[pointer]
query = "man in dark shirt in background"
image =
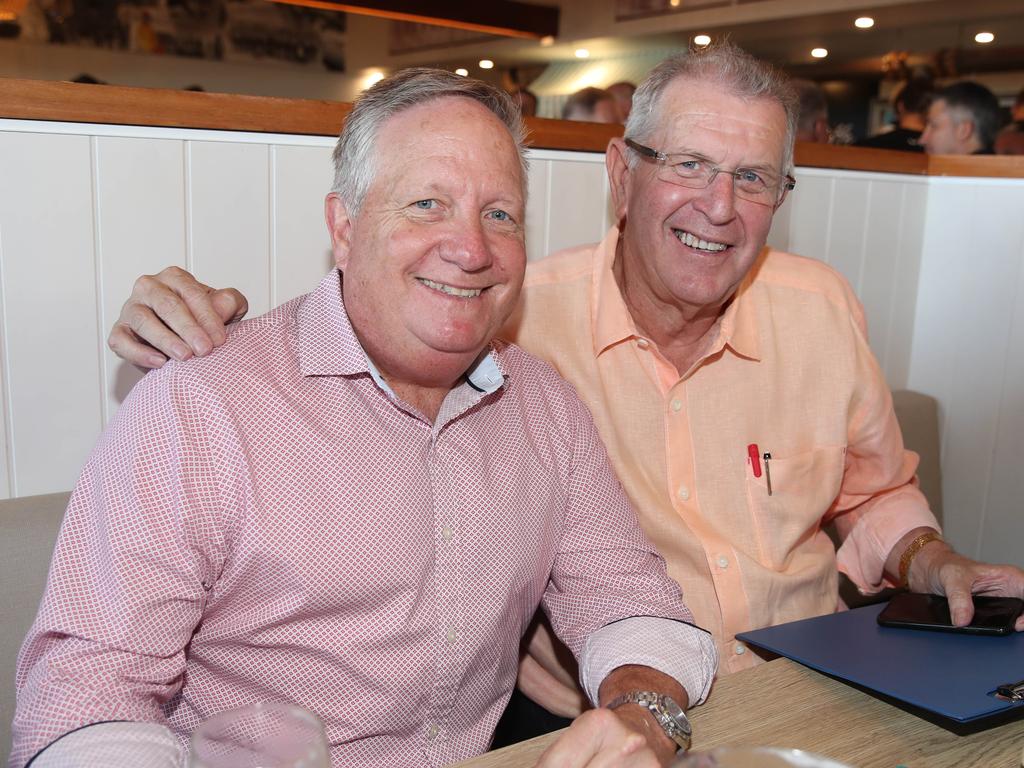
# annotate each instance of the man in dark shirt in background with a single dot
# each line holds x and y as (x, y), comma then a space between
(910, 103)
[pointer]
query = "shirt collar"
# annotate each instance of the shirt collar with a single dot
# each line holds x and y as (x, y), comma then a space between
(612, 324)
(610, 319)
(328, 345)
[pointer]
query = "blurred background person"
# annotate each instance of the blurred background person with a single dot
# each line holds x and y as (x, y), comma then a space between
(962, 120)
(622, 91)
(527, 101)
(813, 125)
(910, 104)
(591, 105)
(1010, 140)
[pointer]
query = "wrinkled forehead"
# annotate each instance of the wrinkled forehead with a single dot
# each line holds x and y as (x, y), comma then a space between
(451, 134)
(698, 116)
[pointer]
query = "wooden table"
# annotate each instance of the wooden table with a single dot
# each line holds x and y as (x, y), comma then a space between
(783, 704)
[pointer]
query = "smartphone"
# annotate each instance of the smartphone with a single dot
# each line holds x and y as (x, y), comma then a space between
(913, 610)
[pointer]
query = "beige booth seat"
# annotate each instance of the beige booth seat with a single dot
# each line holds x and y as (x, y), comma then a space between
(29, 525)
(28, 531)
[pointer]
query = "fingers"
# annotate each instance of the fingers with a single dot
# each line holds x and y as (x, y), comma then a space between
(172, 314)
(961, 605)
(960, 578)
(125, 345)
(229, 304)
(598, 739)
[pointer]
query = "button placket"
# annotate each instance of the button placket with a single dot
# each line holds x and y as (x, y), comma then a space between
(448, 608)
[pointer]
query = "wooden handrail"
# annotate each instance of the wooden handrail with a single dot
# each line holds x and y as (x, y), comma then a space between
(117, 105)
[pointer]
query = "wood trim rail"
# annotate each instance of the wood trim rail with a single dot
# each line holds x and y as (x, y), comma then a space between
(117, 105)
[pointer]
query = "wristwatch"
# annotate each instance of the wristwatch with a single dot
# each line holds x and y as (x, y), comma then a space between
(666, 711)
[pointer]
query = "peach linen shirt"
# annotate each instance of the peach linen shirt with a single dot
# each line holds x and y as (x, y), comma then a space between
(790, 370)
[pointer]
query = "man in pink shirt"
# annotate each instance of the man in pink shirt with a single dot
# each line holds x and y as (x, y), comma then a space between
(359, 503)
(733, 385)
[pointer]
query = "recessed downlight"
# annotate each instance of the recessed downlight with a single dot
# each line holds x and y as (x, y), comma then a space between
(462, 72)
(984, 37)
(582, 53)
(864, 22)
(702, 40)
(819, 53)
(486, 64)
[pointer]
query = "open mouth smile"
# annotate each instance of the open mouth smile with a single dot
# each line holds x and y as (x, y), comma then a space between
(451, 290)
(692, 241)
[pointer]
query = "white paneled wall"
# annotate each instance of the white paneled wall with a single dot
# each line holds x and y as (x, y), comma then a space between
(938, 263)
(969, 353)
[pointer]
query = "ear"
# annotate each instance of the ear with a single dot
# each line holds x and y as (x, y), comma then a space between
(964, 130)
(821, 131)
(619, 174)
(339, 224)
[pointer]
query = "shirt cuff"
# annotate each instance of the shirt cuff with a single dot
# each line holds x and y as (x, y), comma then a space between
(865, 549)
(680, 650)
(114, 745)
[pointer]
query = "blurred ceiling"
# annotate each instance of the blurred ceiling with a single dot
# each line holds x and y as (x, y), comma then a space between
(905, 34)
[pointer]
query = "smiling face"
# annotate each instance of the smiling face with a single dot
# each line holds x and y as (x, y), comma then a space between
(688, 249)
(434, 260)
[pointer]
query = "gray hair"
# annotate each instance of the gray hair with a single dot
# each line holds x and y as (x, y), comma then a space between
(354, 154)
(723, 64)
(968, 100)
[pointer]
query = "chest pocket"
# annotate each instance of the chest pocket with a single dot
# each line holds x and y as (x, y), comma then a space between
(803, 487)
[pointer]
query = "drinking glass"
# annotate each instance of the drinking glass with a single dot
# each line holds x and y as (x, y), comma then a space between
(265, 735)
(755, 757)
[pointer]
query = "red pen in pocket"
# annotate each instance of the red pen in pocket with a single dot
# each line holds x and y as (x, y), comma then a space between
(754, 457)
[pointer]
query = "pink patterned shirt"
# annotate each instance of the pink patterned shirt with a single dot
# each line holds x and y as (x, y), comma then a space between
(271, 523)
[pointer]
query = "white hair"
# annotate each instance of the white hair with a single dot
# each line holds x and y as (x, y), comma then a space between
(354, 154)
(725, 65)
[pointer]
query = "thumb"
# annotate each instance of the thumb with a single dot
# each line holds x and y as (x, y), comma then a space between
(229, 304)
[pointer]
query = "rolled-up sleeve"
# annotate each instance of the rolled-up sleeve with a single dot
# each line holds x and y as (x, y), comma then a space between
(127, 583)
(680, 650)
(879, 501)
(610, 598)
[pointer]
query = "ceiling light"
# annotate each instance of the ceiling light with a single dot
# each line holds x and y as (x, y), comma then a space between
(984, 37)
(674, 3)
(372, 78)
(864, 22)
(486, 64)
(582, 53)
(819, 53)
(702, 40)
(547, 40)
(462, 72)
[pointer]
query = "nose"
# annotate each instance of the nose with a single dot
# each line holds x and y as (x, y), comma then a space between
(717, 201)
(467, 246)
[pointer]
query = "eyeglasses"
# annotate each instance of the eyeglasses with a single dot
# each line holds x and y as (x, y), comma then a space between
(696, 172)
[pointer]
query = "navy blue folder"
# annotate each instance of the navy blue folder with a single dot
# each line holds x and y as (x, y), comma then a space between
(953, 675)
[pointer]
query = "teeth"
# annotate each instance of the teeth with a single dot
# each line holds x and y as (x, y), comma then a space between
(451, 290)
(695, 242)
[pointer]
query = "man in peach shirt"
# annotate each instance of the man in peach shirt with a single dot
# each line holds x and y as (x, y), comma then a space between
(733, 385)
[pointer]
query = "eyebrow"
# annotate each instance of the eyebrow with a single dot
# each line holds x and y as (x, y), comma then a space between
(748, 166)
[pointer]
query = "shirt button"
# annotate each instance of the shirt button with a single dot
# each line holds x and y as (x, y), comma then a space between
(432, 731)
(740, 649)
(684, 493)
(723, 561)
(677, 405)
(446, 533)
(643, 343)
(451, 636)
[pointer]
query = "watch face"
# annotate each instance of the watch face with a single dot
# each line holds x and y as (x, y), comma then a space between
(673, 710)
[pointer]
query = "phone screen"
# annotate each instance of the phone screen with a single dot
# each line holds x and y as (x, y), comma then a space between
(992, 615)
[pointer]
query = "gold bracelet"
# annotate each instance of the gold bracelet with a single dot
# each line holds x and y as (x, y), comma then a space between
(911, 552)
